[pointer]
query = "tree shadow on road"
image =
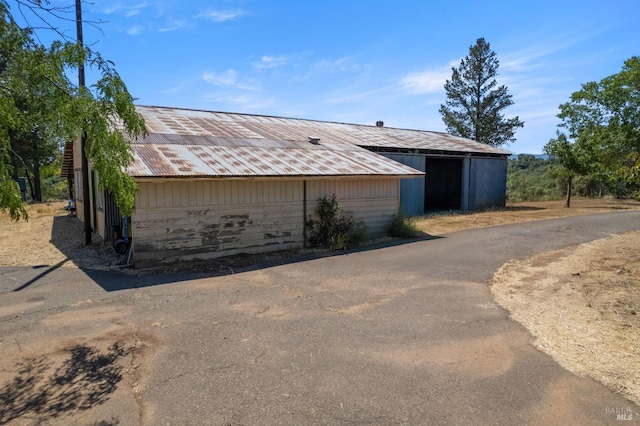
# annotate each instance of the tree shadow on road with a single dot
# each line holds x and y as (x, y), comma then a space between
(84, 380)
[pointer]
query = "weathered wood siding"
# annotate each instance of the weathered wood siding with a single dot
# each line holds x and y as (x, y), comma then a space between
(208, 219)
(374, 201)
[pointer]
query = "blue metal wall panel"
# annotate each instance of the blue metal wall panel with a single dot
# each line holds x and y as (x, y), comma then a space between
(488, 183)
(412, 189)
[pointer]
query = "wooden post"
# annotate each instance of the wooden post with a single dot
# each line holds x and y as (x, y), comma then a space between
(83, 136)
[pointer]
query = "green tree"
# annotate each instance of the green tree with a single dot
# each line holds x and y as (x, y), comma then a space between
(475, 103)
(602, 125)
(572, 160)
(530, 179)
(55, 108)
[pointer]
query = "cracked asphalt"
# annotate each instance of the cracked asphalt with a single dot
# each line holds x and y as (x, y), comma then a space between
(406, 334)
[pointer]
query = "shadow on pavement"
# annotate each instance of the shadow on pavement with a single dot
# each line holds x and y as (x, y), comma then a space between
(100, 262)
(185, 271)
(85, 379)
(42, 274)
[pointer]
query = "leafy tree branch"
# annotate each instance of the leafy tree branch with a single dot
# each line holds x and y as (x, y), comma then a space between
(600, 129)
(37, 97)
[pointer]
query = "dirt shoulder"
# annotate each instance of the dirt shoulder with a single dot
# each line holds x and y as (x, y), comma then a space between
(51, 236)
(582, 304)
(443, 223)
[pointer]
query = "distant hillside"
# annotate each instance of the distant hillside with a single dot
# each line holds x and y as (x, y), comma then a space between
(541, 156)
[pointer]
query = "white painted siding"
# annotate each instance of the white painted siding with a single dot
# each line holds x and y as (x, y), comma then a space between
(373, 201)
(208, 219)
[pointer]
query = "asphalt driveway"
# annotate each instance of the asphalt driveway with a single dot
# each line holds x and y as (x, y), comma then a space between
(407, 334)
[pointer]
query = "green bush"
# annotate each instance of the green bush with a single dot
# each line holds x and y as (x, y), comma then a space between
(333, 228)
(55, 188)
(402, 226)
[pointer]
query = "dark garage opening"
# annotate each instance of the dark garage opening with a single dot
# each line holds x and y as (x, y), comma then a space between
(443, 184)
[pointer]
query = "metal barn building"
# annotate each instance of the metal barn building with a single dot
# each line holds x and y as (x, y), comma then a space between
(216, 184)
(460, 174)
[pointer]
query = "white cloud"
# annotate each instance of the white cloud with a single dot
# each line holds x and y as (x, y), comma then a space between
(267, 62)
(221, 15)
(175, 89)
(342, 98)
(534, 56)
(135, 30)
(428, 81)
(173, 26)
(338, 65)
(244, 103)
(227, 78)
(127, 10)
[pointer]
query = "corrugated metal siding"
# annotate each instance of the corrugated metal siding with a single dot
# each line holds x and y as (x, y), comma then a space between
(411, 190)
(488, 183)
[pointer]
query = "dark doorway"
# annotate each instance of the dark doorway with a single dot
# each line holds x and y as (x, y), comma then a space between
(443, 184)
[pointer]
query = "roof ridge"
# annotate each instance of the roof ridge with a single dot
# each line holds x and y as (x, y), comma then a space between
(287, 118)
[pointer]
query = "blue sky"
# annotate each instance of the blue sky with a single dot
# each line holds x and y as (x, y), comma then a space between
(360, 61)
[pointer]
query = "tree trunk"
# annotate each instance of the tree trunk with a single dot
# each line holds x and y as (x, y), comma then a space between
(37, 185)
(14, 163)
(28, 175)
(569, 184)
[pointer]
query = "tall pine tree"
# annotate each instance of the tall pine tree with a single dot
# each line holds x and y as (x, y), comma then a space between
(474, 104)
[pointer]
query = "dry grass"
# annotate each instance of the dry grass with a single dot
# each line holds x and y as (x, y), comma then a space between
(38, 242)
(582, 305)
(442, 223)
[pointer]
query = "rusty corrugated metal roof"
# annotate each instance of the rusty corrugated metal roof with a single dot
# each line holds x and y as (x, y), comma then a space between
(188, 143)
(184, 142)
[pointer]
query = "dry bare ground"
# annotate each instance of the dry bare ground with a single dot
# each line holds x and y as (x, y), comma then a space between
(581, 303)
(38, 242)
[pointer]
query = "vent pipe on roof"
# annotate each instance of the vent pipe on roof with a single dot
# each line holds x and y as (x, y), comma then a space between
(380, 123)
(313, 140)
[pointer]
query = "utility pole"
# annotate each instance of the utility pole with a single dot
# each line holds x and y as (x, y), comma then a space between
(83, 136)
